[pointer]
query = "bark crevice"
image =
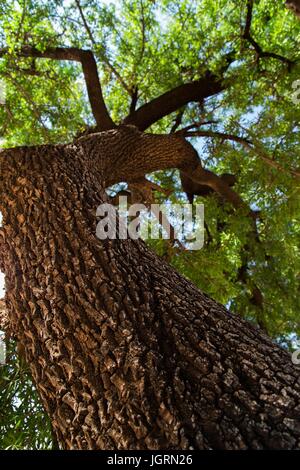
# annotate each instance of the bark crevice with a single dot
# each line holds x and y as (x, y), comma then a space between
(126, 353)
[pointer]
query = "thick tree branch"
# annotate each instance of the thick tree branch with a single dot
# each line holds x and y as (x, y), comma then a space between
(174, 99)
(259, 51)
(89, 67)
(177, 121)
(222, 135)
(154, 152)
(294, 5)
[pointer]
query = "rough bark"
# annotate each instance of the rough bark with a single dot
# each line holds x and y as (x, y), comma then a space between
(125, 352)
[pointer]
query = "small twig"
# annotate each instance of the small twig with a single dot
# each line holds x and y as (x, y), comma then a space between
(195, 125)
(90, 71)
(245, 143)
(177, 121)
(34, 107)
(22, 20)
(102, 55)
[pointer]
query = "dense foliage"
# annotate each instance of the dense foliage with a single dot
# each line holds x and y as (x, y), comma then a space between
(144, 48)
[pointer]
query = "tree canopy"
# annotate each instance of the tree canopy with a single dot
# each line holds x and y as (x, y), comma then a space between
(224, 74)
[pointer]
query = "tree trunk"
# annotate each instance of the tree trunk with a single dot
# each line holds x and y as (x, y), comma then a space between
(126, 353)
